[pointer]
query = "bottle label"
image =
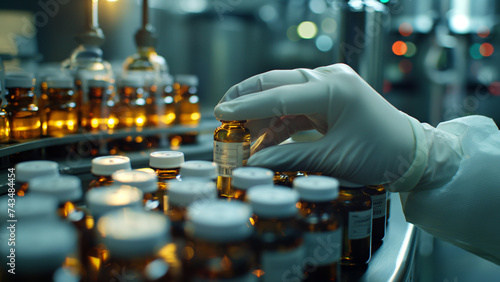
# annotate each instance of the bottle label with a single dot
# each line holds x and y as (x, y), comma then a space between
(275, 264)
(359, 225)
(230, 156)
(323, 247)
(379, 203)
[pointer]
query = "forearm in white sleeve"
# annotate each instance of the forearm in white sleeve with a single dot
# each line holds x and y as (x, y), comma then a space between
(456, 197)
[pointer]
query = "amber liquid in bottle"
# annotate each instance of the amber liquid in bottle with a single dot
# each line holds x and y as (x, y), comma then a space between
(378, 195)
(101, 181)
(61, 112)
(356, 210)
(231, 140)
(95, 113)
(187, 112)
(4, 125)
(320, 221)
(23, 113)
(163, 176)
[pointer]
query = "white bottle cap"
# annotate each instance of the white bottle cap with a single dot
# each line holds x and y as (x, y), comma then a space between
(203, 169)
(19, 80)
(317, 188)
(105, 199)
(187, 79)
(131, 80)
(41, 247)
(219, 221)
(32, 207)
(98, 83)
(246, 177)
(108, 164)
(166, 159)
(145, 181)
(132, 233)
(60, 82)
(273, 201)
(63, 187)
(25, 171)
(182, 193)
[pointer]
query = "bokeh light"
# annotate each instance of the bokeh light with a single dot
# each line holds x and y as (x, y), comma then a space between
(486, 49)
(399, 48)
(329, 25)
(405, 29)
(307, 30)
(291, 33)
(474, 51)
(411, 49)
(405, 66)
(483, 32)
(324, 43)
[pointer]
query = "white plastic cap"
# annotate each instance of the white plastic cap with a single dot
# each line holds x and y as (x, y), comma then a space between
(273, 201)
(32, 207)
(60, 82)
(219, 221)
(130, 80)
(145, 181)
(183, 193)
(108, 164)
(98, 83)
(166, 159)
(131, 233)
(203, 169)
(105, 199)
(187, 79)
(63, 187)
(317, 188)
(41, 247)
(25, 171)
(246, 177)
(19, 80)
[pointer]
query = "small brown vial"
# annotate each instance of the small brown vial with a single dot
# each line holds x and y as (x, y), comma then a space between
(279, 240)
(166, 165)
(187, 107)
(322, 227)
(231, 150)
(144, 181)
(4, 124)
(103, 167)
(96, 110)
(130, 109)
(60, 113)
(378, 195)
(168, 94)
(356, 209)
(246, 177)
(22, 108)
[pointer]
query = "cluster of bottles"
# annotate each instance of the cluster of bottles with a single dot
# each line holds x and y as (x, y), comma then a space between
(63, 107)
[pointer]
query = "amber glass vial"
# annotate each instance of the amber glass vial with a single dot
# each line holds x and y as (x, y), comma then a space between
(231, 150)
(103, 167)
(4, 124)
(187, 107)
(168, 94)
(22, 108)
(133, 239)
(146, 182)
(378, 195)
(25, 171)
(96, 110)
(356, 209)
(278, 237)
(246, 177)
(60, 113)
(166, 165)
(321, 223)
(218, 243)
(130, 109)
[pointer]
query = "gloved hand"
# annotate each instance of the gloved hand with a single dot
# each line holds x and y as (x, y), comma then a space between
(366, 140)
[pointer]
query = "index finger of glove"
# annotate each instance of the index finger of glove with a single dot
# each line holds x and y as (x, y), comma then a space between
(264, 81)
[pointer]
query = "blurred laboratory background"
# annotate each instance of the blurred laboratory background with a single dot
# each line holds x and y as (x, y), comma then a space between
(435, 60)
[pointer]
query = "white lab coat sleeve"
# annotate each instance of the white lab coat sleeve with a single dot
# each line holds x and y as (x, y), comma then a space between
(464, 208)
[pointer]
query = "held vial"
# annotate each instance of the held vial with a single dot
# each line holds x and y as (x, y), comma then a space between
(60, 112)
(231, 150)
(356, 209)
(22, 108)
(25, 171)
(146, 182)
(133, 239)
(103, 167)
(378, 195)
(201, 169)
(187, 107)
(218, 242)
(246, 177)
(166, 165)
(320, 223)
(278, 237)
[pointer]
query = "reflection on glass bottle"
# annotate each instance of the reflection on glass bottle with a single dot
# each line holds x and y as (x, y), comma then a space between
(96, 111)
(187, 108)
(60, 112)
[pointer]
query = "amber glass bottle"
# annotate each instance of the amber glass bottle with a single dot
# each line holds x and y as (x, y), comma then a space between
(231, 150)
(103, 167)
(187, 107)
(246, 177)
(146, 182)
(321, 223)
(279, 241)
(378, 195)
(356, 209)
(96, 111)
(25, 171)
(166, 165)
(60, 114)
(22, 108)
(4, 124)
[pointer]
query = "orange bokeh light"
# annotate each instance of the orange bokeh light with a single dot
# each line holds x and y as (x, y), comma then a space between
(486, 49)
(405, 29)
(483, 32)
(399, 48)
